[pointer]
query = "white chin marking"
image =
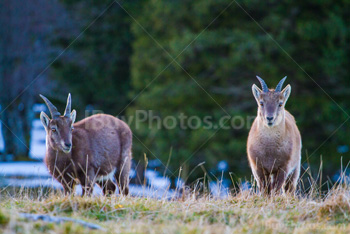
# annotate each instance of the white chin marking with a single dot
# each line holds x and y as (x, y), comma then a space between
(269, 124)
(109, 176)
(67, 151)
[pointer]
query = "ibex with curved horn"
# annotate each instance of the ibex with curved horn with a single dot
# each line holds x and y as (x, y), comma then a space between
(274, 141)
(96, 151)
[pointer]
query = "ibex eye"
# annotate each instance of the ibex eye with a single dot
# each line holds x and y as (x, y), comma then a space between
(261, 104)
(72, 128)
(53, 129)
(280, 105)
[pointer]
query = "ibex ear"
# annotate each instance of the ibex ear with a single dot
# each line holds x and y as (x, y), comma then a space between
(44, 119)
(73, 115)
(286, 92)
(256, 92)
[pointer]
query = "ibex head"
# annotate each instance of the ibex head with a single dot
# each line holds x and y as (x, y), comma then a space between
(59, 128)
(271, 102)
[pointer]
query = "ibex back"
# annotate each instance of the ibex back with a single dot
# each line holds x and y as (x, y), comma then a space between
(274, 141)
(93, 150)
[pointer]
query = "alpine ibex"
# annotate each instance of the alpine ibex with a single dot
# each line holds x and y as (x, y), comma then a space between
(93, 150)
(274, 141)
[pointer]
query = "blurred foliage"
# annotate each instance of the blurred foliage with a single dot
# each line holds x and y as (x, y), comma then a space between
(96, 66)
(200, 58)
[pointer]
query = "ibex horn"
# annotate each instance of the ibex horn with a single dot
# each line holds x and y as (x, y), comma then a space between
(263, 85)
(68, 107)
(280, 84)
(53, 110)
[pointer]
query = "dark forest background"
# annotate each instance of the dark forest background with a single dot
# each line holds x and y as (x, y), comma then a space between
(181, 57)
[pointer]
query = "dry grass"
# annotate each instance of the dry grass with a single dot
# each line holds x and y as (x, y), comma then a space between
(244, 212)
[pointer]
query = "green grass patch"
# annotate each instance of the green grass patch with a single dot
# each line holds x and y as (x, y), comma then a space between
(245, 212)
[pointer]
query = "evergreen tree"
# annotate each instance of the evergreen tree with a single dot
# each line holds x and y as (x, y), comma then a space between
(96, 66)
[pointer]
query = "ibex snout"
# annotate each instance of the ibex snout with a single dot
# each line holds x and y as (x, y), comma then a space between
(269, 120)
(66, 146)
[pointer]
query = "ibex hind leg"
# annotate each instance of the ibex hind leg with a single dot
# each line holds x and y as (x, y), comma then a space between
(279, 180)
(122, 173)
(107, 186)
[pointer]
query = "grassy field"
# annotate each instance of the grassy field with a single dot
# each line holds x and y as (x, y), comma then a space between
(244, 212)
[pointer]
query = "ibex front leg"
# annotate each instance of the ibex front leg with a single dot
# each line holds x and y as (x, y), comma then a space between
(292, 181)
(278, 181)
(87, 181)
(264, 181)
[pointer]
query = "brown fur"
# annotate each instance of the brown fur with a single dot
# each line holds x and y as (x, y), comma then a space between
(101, 144)
(274, 152)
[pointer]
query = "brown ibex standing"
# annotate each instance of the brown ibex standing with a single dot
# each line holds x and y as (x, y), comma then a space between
(274, 141)
(98, 149)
